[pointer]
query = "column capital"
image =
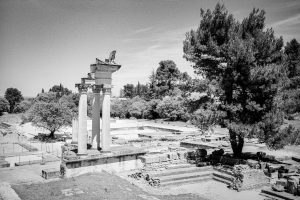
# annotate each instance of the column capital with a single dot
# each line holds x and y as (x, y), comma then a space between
(96, 88)
(106, 89)
(82, 88)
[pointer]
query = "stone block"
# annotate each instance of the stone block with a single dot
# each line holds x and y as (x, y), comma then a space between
(50, 173)
(252, 163)
(163, 158)
(273, 167)
(172, 156)
(181, 155)
(263, 165)
(274, 175)
(292, 186)
(277, 188)
(282, 182)
(270, 157)
(149, 159)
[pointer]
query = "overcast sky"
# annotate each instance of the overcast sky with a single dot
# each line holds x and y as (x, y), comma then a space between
(47, 42)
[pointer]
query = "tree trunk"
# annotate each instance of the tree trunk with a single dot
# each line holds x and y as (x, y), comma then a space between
(52, 134)
(237, 143)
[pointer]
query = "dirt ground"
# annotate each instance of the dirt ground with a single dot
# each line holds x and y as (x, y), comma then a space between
(92, 186)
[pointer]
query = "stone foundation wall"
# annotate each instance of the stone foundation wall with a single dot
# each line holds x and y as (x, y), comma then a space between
(164, 157)
(253, 179)
(113, 163)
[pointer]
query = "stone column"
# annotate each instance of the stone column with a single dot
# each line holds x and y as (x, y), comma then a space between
(74, 130)
(96, 116)
(105, 136)
(82, 120)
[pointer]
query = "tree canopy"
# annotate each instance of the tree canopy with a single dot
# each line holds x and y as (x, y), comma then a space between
(50, 116)
(13, 96)
(4, 105)
(244, 59)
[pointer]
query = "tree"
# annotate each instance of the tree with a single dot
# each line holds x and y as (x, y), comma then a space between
(13, 96)
(129, 91)
(23, 106)
(171, 107)
(167, 76)
(152, 92)
(46, 97)
(292, 52)
(71, 101)
(289, 96)
(138, 89)
(43, 91)
(4, 105)
(244, 60)
(137, 107)
(50, 116)
(60, 90)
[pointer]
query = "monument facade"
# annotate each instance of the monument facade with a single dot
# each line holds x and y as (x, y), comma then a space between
(99, 80)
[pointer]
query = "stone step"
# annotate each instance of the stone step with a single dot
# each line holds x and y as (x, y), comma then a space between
(270, 196)
(186, 181)
(179, 166)
(215, 178)
(223, 171)
(179, 171)
(183, 176)
(279, 195)
(223, 176)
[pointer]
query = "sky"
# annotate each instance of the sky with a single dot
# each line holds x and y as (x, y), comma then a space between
(48, 42)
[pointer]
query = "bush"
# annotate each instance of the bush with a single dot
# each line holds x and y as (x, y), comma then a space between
(119, 108)
(137, 107)
(4, 105)
(290, 135)
(151, 109)
(205, 119)
(171, 107)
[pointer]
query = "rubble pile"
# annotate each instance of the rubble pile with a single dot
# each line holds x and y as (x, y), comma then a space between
(144, 176)
(246, 178)
(287, 179)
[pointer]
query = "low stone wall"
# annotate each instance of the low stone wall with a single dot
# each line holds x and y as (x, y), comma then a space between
(111, 163)
(163, 157)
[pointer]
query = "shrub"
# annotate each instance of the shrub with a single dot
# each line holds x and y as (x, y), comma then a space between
(205, 119)
(4, 105)
(151, 109)
(171, 107)
(137, 107)
(119, 108)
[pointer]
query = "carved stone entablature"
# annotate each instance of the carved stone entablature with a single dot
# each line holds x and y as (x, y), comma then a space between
(82, 88)
(97, 88)
(106, 67)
